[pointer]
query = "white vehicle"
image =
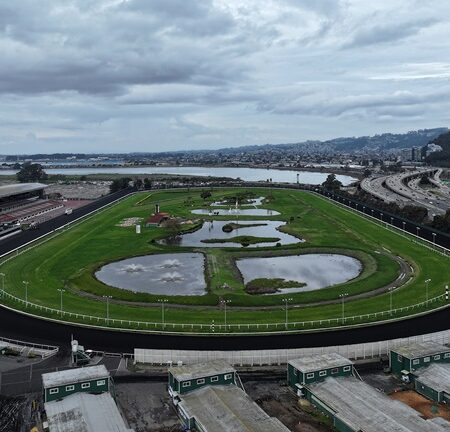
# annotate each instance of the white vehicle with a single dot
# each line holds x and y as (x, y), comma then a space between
(68, 211)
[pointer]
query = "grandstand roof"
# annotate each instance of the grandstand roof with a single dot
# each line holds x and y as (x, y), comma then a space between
(20, 188)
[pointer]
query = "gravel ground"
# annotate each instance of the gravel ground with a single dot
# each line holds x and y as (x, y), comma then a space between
(424, 406)
(146, 406)
(80, 190)
(384, 382)
(280, 402)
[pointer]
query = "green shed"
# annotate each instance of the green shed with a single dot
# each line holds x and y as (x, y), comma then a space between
(184, 379)
(433, 382)
(92, 379)
(310, 369)
(409, 358)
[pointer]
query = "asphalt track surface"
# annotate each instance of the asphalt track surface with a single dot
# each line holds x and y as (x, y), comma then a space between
(18, 326)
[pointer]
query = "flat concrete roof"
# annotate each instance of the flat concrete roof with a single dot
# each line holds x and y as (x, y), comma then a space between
(320, 362)
(84, 412)
(20, 188)
(70, 376)
(364, 408)
(199, 370)
(436, 376)
(420, 349)
(228, 408)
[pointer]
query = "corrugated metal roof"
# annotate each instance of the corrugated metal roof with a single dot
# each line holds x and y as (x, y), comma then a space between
(70, 376)
(364, 408)
(199, 370)
(422, 349)
(320, 362)
(228, 408)
(435, 376)
(84, 412)
(20, 188)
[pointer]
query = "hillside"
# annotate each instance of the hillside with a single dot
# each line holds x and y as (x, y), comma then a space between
(441, 158)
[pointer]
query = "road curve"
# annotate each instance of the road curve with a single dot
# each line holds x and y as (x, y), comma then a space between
(15, 325)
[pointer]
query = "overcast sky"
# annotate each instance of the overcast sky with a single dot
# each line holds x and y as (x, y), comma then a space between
(155, 75)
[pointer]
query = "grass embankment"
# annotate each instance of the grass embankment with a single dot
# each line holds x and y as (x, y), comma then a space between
(243, 240)
(270, 286)
(230, 227)
(69, 260)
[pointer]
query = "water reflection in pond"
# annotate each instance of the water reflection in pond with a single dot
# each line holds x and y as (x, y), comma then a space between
(167, 274)
(236, 212)
(315, 270)
(250, 202)
(213, 230)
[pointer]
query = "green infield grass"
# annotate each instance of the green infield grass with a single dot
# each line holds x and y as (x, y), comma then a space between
(69, 261)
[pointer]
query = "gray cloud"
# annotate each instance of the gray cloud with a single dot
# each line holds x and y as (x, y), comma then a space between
(104, 74)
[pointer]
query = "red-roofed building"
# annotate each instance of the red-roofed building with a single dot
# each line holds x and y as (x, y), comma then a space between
(156, 219)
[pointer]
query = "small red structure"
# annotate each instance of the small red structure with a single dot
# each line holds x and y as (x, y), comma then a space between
(157, 218)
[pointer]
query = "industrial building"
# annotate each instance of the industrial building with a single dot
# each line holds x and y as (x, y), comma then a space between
(92, 379)
(209, 397)
(84, 412)
(433, 382)
(184, 379)
(80, 400)
(407, 359)
(307, 370)
(355, 406)
(225, 408)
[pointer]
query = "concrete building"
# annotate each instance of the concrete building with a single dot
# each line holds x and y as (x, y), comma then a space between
(406, 359)
(310, 369)
(92, 379)
(225, 408)
(184, 379)
(355, 406)
(83, 412)
(433, 382)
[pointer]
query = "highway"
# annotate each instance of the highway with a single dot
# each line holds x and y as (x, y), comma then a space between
(15, 325)
(404, 189)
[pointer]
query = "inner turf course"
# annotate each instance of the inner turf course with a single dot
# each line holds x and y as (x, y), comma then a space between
(69, 260)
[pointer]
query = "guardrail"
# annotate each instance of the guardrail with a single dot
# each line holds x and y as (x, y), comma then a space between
(42, 349)
(215, 328)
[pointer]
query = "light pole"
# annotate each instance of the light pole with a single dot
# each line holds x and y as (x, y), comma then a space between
(107, 307)
(417, 231)
(381, 216)
(342, 296)
(3, 282)
(225, 302)
(392, 221)
(286, 302)
(26, 292)
(163, 302)
(61, 296)
(404, 223)
(391, 289)
(426, 289)
(434, 237)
